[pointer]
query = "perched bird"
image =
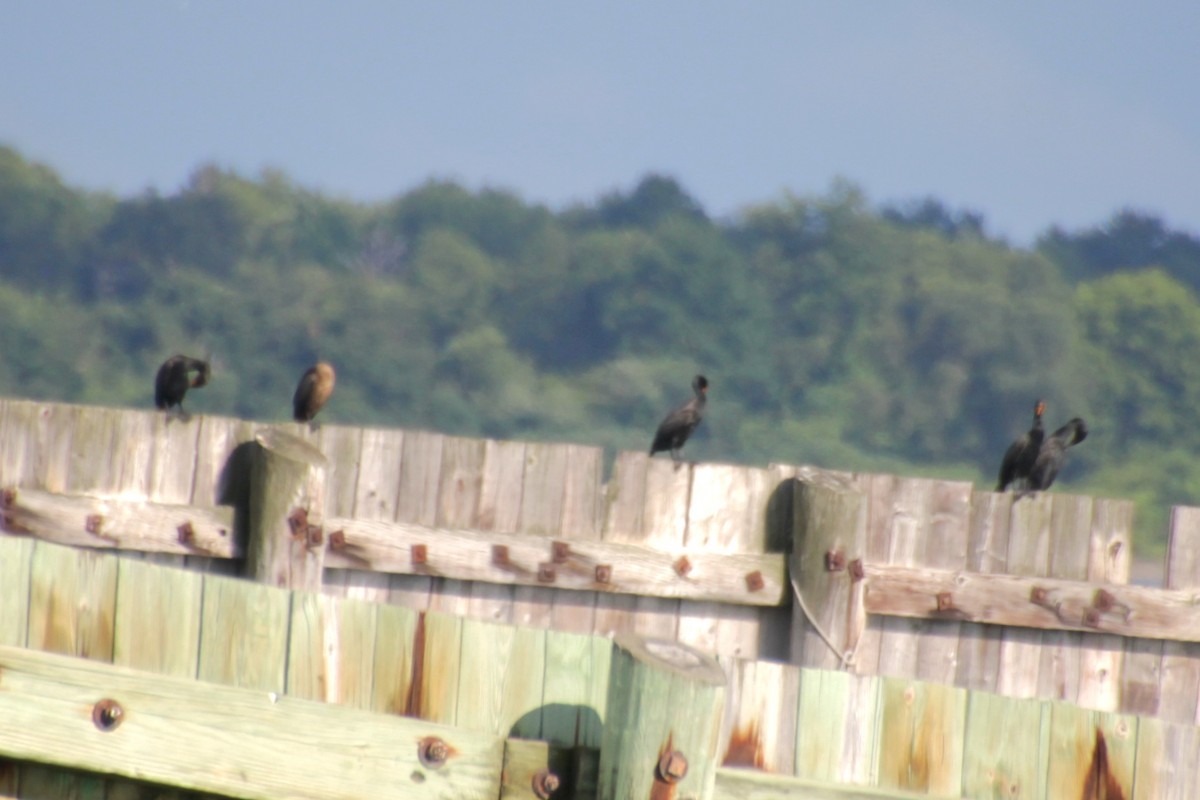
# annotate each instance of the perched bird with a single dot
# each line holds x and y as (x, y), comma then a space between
(675, 429)
(172, 381)
(1053, 454)
(1018, 460)
(313, 391)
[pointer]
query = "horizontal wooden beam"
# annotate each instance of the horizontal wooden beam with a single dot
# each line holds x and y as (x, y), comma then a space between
(119, 523)
(239, 742)
(411, 549)
(996, 599)
(743, 784)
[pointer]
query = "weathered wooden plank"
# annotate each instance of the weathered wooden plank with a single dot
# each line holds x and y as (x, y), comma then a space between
(239, 742)
(217, 479)
(727, 513)
(72, 599)
(437, 674)
(1059, 673)
(878, 491)
(1180, 671)
(331, 649)
(500, 690)
(375, 493)
(499, 510)
(1167, 763)
(173, 456)
(342, 447)
(922, 727)
(542, 492)
(624, 502)
(121, 523)
(1101, 660)
(399, 655)
(51, 783)
(837, 730)
(576, 611)
(910, 521)
(1005, 753)
(743, 784)
(569, 713)
(16, 555)
(471, 555)
(1091, 753)
(987, 552)
(420, 471)
(1028, 554)
(243, 634)
(663, 696)
(944, 547)
(157, 618)
(1043, 603)
(758, 728)
(458, 506)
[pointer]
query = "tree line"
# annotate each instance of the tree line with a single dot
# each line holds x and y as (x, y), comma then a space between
(834, 332)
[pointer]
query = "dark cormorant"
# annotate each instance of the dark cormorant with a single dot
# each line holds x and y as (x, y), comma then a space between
(313, 391)
(1018, 460)
(675, 429)
(1053, 454)
(172, 381)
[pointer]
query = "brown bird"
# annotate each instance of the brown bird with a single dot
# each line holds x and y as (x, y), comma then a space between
(172, 381)
(313, 391)
(677, 426)
(1018, 460)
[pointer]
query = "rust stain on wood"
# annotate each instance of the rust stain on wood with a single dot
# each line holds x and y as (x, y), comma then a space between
(745, 748)
(412, 706)
(1101, 784)
(660, 789)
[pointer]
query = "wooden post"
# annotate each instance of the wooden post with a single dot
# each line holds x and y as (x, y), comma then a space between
(665, 702)
(830, 537)
(285, 544)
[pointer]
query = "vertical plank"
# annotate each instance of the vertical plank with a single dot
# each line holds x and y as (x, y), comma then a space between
(987, 551)
(420, 472)
(945, 547)
(568, 692)
(505, 696)
(624, 502)
(1006, 744)
(924, 727)
(174, 450)
(727, 512)
(758, 729)
(399, 639)
(72, 601)
(909, 520)
(376, 497)
(435, 683)
(542, 493)
(244, 634)
(775, 622)
(16, 555)
(576, 611)
(1071, 529)
(457, 507)
(342, 447)
(1028, 554)
(1180, 682)
(1101, 658)
(837, 733)
(499, 509)
(158, 618)
(52, 454)
(219, 478)
(331, 649)
(1167, 764)
(878, 491)
(1090, 750)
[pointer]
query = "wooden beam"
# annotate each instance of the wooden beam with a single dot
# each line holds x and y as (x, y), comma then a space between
(523, 559)
(743, 784)
(236, 742)
(1033, 602)
(119, 523)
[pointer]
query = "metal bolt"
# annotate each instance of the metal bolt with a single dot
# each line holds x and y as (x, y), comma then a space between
(420, 555)
(545, 784)
(1038, 595)
(546, 573)
(672, 766)
(1104, 601)
(835, 561)
(186, 533)
(8, 498)
(754, 581)
(945, 601)
(432, 752)
(337, 539)
(92, 523)
(298, 522)
(682, 566)
(107, 714)
(603, 573)
(1091, 618)
(560, 552)
(856, 570)
(500, 555)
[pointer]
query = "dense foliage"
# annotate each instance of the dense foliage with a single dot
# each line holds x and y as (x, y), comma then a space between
(834, 333)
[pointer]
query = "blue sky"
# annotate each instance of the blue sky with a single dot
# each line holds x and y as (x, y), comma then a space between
(1031, 113)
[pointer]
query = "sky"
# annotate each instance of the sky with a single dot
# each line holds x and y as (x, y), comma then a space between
(1031, 113)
